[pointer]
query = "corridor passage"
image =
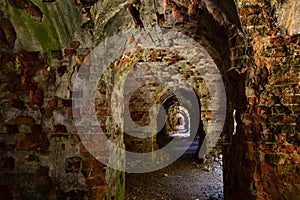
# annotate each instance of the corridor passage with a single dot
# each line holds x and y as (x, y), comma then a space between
(185, 179)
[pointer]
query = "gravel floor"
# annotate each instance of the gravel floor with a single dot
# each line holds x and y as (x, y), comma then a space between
(185, 179)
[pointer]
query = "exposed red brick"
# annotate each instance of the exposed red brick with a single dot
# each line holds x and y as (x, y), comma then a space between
(272, 181)
(91, 164)
(74, 44)
(96, 181)
(263, 197)
(97, 192)
(298, 149)
(60, 128)
(25, 120)
(36, 142)
(37, 98)
(97, 171)
(48, 112)
(278, 41)
(252, 100)
(290, 148)
(69, 52)
(35, 12)
(52, 103)
(264, 167)
(256, 176)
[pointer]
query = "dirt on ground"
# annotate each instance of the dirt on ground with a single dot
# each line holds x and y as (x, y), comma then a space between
(185, 179)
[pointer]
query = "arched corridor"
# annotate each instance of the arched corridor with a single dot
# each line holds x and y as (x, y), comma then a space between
(133, 99)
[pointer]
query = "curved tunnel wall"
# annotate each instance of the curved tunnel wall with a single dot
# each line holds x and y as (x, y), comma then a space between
(37, 134)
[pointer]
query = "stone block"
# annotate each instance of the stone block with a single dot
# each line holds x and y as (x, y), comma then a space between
(32, 142)
(24, 120)
(37, 98)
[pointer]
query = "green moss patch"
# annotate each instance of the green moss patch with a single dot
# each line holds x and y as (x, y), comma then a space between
(31, 33)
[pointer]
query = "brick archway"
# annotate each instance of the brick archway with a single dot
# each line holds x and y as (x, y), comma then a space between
(255, 45)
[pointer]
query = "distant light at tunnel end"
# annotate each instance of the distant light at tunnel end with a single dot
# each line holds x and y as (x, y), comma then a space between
(101, 58)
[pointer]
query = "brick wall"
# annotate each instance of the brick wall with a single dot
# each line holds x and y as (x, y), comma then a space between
(41, 153)
(43, 157)
(267, 139)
